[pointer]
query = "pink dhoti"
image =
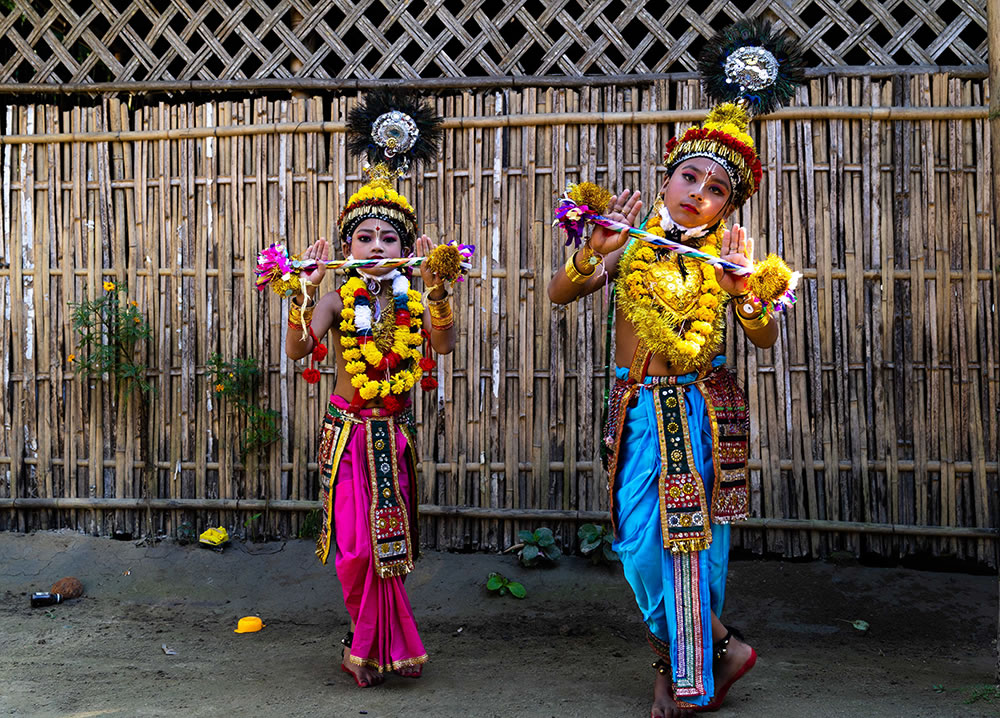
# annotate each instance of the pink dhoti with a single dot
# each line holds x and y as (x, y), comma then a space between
(367, 488)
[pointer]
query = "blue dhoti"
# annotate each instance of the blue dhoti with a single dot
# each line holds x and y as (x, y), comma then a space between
(676, 590)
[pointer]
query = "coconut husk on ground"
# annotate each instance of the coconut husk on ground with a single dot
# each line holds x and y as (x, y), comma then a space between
(69, 587)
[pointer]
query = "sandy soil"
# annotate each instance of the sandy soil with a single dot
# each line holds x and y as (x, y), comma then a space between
(573, 647)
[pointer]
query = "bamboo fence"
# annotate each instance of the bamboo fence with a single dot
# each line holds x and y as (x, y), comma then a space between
(874, 424)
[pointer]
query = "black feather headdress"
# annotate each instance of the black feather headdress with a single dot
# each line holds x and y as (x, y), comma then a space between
(748, 61)
(393, 128)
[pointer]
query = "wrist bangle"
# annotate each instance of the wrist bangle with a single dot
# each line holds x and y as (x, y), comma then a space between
(575, 275)
(751, 312)
(442, 317)
(297, 317)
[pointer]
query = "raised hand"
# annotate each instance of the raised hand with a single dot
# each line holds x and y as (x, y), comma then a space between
(423, 248)
(736, 248)
(320, 251)
(623, 208)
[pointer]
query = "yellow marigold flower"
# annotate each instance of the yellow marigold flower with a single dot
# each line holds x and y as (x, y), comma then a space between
(383, 388)
(695, 338)
(348, 342)
(702, 327)
(356, 367)
(638, 265)
(134, 303)
(704, 314)
(398, 387)
(708, 300)
(372, 354)
(645, 254)
(109, 286)
(220, 388)
(71, 357)
(415, 308)
(138, 320)
(347, 314)
(358, 380)
(352, 354)
(347, 327)
(369, 390)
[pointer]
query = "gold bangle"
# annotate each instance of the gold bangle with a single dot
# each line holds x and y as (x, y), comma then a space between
(296, 315)
(440, 309)
(757, 323)
(575, 275)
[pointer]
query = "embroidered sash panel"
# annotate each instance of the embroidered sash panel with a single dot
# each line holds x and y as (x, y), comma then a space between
(730, 419)
(388, 520)
(690, 665)
(683, 506)
(335, 434)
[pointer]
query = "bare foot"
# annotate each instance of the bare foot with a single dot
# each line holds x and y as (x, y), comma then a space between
(726, 670)
(363, 676)
(663, 699)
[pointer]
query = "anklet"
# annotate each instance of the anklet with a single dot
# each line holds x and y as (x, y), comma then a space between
(722, 646)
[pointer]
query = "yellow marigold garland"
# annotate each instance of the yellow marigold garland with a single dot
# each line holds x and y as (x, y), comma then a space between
(372, 372)
(688, 340)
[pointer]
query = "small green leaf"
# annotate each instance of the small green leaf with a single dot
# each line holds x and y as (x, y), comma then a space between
(544, 537)
(609, 554)
(528, 554)
(937, 688)
(516, 590)
(587, 545)
(494, 582)
(860, 625)
(525, 536)
(552, 552)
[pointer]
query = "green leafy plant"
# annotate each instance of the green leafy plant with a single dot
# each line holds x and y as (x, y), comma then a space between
(538, 547)
(185, 533)
(109, 329)
(984, 692)
(237, 382)
(502, 586)
(309, 529)
(250, 526)
(595, 542)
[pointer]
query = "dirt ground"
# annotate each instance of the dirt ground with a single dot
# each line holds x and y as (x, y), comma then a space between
(573, 647)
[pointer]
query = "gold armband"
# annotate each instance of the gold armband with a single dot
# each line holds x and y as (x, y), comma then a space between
(442, 317)
(751, 313)
(297, 318)
(573, 274)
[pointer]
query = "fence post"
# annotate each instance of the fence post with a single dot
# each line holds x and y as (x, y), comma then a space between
(993, 33)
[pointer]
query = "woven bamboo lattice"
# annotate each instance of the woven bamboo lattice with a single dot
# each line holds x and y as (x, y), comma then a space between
(876, 406)
(76, 42)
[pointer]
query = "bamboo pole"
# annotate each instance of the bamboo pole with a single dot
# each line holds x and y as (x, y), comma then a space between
(482, 83)
(532, 515)
(993, 32)
(494, 121)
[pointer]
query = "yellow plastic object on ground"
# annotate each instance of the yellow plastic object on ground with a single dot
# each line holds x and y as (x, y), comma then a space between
(214, 537)
(249, 624)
